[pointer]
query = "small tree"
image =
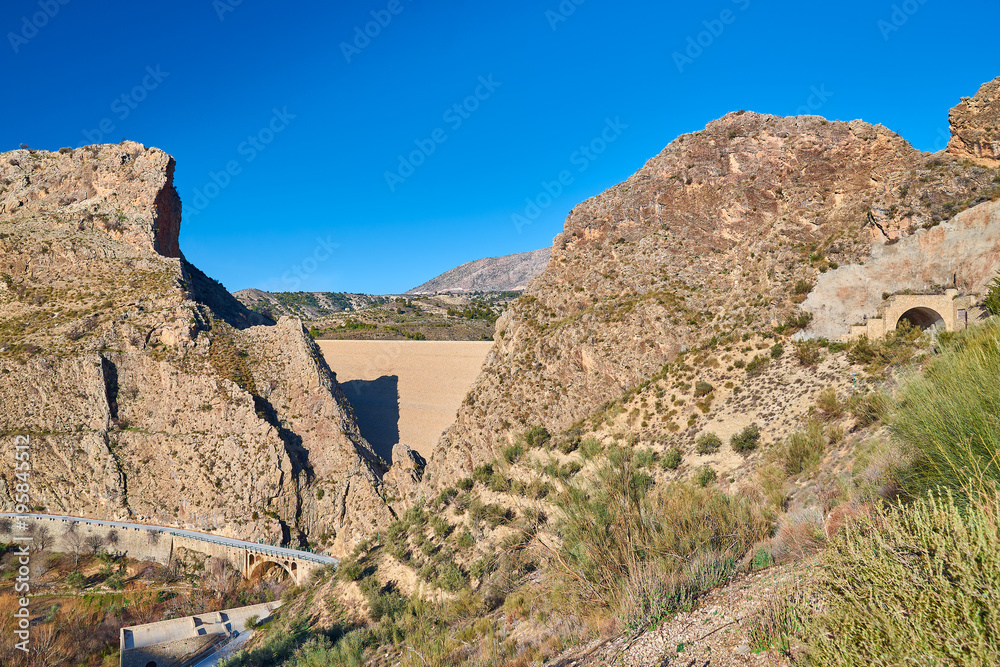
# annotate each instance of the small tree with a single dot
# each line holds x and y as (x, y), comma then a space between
(112, 537)
(43, 538)
(93, 544)
(74, 541)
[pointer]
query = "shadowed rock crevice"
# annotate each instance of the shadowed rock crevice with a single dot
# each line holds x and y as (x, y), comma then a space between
(110, 374)
(376, 408)
(297, 454)
(224, 305)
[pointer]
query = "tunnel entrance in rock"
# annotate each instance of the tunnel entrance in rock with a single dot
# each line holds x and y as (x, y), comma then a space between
(925, 318)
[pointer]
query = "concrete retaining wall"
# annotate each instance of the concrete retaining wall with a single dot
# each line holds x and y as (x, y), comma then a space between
(167, 642)
(134, 543)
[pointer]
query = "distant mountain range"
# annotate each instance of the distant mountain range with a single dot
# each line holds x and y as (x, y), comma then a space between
(510, 273)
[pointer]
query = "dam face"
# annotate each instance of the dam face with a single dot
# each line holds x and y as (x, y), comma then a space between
(405, 391)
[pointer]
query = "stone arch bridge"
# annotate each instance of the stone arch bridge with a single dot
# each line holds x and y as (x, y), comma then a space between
(160, 543)
(944, 312)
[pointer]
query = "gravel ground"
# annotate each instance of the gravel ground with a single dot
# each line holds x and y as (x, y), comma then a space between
(713, 635)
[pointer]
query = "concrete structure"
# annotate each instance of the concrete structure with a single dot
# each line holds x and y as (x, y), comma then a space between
(180, 642)
(405, 392)
(940, 312)
(160, 544)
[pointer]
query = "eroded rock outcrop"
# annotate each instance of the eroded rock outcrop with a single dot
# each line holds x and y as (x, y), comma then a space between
(975, 126)
(149, 393)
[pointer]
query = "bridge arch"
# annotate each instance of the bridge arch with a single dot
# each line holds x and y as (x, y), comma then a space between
(258, 565)
(923, 317)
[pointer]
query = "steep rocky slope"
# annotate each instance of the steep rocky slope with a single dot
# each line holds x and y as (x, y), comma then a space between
(494, 274)
(149, 393)
(717, 239)
(975, 126)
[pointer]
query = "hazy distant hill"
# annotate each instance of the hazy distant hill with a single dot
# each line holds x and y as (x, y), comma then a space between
(494, 274)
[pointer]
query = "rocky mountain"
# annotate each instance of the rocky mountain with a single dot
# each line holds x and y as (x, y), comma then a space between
(975, 126)
(148, 392)
(510, 273)
(305, 305)
(716, 240)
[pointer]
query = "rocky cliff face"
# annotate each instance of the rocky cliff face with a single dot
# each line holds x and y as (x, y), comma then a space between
(494, 274)
(712, 239)
(149, 393)
(975, 126)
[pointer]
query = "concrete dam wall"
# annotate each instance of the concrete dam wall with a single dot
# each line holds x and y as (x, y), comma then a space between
(405, 391)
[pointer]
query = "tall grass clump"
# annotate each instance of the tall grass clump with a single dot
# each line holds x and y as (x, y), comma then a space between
(911, 585)
(642, 551)
(949, 418)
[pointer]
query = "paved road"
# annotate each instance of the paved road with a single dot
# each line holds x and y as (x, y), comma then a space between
(205, 537)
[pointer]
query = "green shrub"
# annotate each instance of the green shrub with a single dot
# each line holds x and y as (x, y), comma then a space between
(911, 585)
(671, 459)
(569, 445)
(992, 302)
(894, 349)
(762, 558)
(807, 352)
(739, 363)
(802, 287)
(75, 579)
(804, 449)
(746, 440)
(513, 453)
(498, 483)
(773, 627)
(948, 417)
(482, 473)
(643, 458)
(868, 408)
(708, 443)
(590, 447)
(537, 436)
(350, 570)
(706, 475)
(465, 484)
(614, 526)
(465, 540)
(450, 577)
(702, 388)
(757, 365)
(442, 528)
(828, 405)
(777, 350)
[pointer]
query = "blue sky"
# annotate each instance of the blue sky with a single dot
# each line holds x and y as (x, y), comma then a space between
(313, 132)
